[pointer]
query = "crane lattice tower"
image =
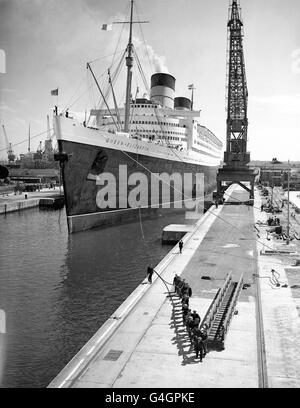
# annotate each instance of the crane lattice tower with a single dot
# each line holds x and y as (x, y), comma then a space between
(236, 157)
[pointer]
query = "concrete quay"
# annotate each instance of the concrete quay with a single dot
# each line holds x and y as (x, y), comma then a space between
(144, 344)
(280, 304)
(11, 202)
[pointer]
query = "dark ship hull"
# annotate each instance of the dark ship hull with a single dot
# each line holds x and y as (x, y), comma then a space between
(83, 163)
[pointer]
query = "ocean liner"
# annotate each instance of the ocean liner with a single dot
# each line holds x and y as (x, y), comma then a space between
(109, 169)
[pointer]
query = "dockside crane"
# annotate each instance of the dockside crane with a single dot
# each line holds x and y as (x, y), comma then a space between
(236, 157)
(39, 152)
(10, 154)
(237, 97)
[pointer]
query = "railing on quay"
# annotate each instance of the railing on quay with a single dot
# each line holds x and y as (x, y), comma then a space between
(211, 314)
(230, 310)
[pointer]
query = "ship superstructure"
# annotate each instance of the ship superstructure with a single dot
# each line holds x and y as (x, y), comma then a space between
(163, 119)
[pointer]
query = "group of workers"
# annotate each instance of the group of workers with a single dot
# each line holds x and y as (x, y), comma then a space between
(273, 221)
(191, 319)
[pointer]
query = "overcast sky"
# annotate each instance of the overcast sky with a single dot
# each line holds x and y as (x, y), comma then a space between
(48, 42)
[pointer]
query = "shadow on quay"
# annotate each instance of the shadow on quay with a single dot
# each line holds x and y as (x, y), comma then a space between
(181, 338)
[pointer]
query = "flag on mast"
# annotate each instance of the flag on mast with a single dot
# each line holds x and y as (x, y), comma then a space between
(191, 86)
(107, 27)
(54, 92)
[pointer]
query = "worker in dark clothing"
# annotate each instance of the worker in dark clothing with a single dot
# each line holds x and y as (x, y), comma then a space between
(189, 322)
(196, 331)
(185, 311)
(188, 316)
(204, 337)
(185, 308)
(196, 318)
(181, 287)
(180, 246)
(149, 273)
(55, 110)
(178, 284)
(197, 321)
(198, 346)
(185, 290)
(67, 113)
(216, 202)
(185, 299)
(176, 280)
(195, 314)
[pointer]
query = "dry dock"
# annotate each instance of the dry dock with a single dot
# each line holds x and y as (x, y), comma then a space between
(145, 344)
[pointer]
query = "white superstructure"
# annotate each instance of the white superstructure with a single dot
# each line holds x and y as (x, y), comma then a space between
(162, 120)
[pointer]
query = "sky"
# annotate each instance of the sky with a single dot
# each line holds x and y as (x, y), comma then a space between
(45, 44)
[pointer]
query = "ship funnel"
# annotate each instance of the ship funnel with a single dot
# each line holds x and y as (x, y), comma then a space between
(163, 89)
(182, 103)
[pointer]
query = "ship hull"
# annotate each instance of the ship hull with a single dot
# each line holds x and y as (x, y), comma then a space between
(82, 187)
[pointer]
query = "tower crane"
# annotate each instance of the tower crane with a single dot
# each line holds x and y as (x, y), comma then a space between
(10, 154)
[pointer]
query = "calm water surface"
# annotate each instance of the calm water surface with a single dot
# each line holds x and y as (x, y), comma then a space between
(57, 290)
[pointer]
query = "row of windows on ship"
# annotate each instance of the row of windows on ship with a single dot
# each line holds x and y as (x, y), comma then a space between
(164, 137)
(201, 144)
(145, 122)
(149, 105)
(164, 132)
(207, 138)
(168, 137)
(152, 136)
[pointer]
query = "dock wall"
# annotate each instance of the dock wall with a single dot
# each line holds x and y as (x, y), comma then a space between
(15, 203)
(19, 205)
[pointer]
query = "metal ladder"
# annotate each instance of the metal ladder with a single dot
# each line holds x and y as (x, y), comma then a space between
(220, 313)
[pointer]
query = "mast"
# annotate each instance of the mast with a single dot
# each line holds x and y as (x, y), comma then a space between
(114, 98)
(129, 64)
(101, 93)
(48, 129)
